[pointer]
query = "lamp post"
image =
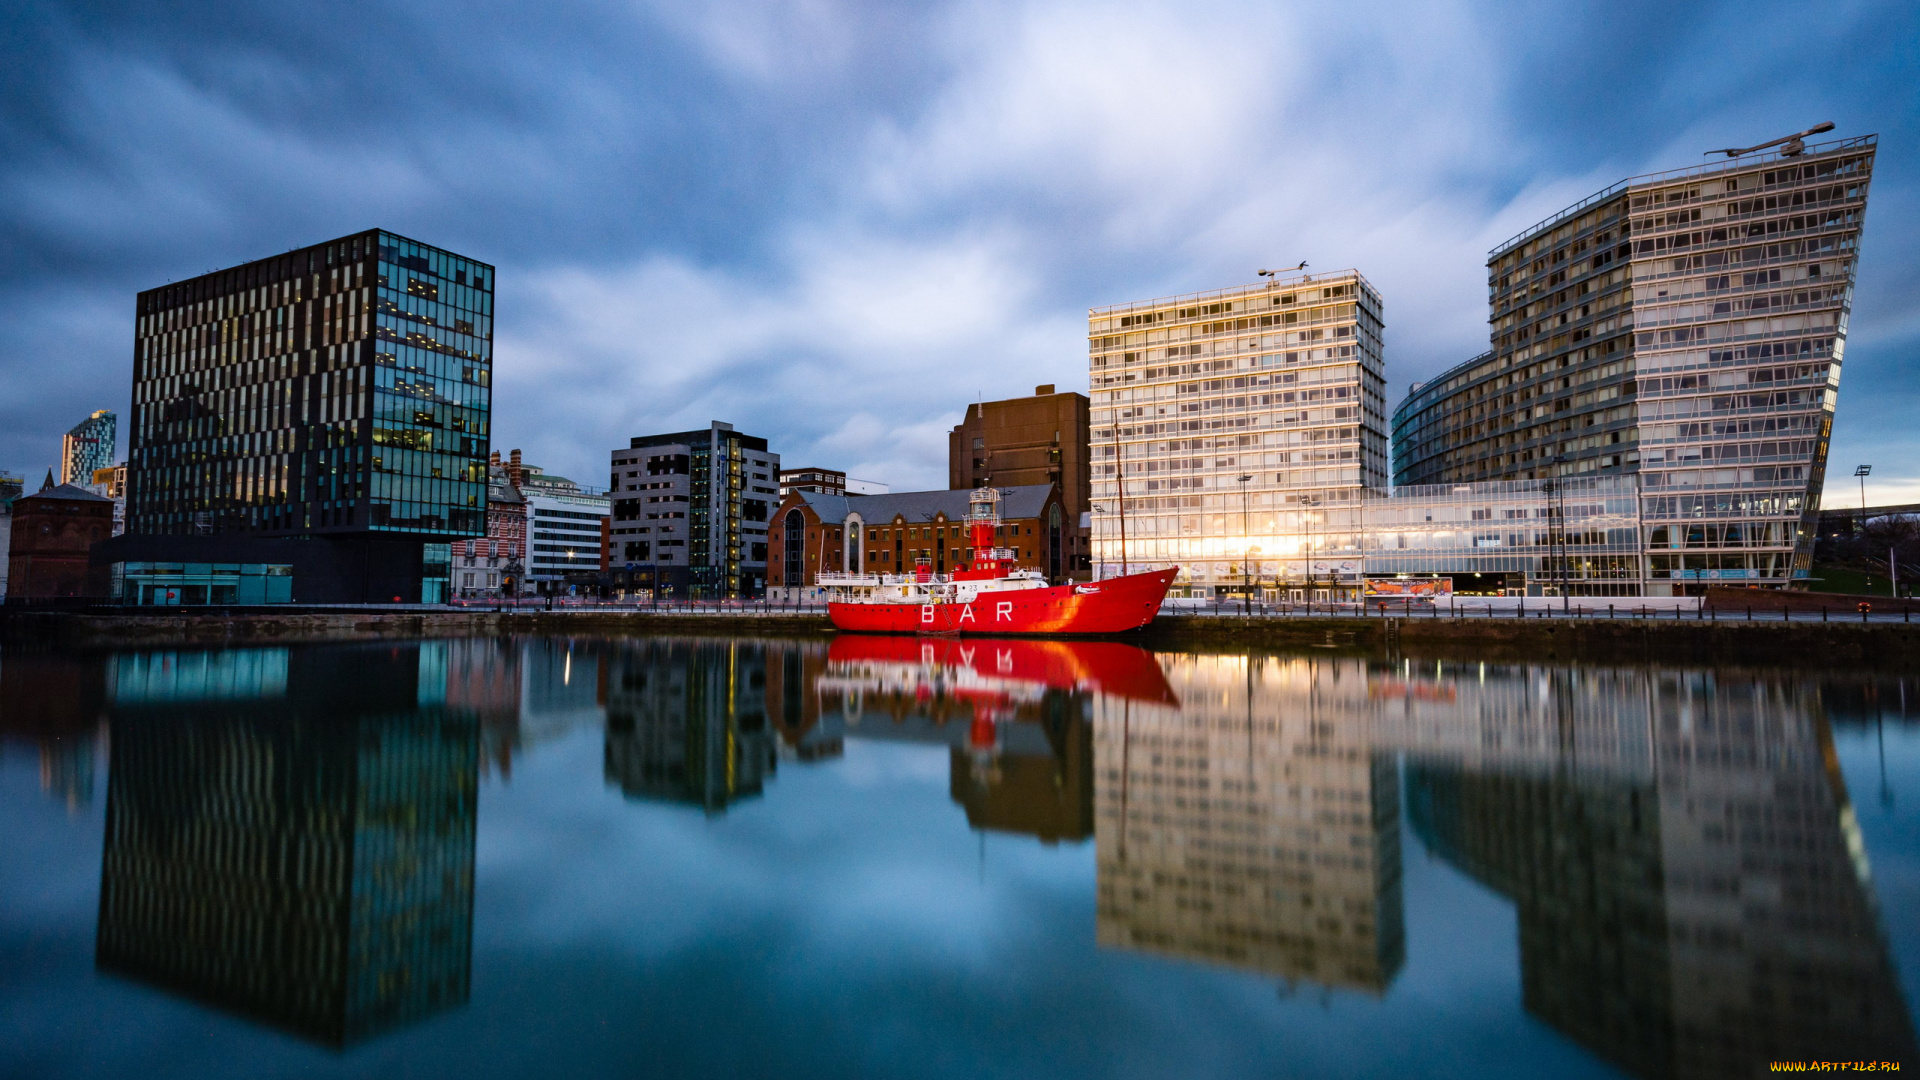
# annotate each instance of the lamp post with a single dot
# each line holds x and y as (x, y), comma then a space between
(1246, 595)
(1306, 517)
(1252, 578)
(1556, 490)
(1862, 471)
(1557, 520)
(1101, 511)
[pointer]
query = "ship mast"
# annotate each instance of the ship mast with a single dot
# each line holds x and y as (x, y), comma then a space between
(1120, 483)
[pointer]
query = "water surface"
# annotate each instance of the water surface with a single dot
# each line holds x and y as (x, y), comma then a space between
(914, 857)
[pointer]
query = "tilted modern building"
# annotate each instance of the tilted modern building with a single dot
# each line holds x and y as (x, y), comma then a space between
(88, 448)
(1684, 328)
(1229, 425)
(337, 395)
(691, 508)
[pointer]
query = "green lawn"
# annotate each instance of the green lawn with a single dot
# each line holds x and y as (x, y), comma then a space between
(1834, 579)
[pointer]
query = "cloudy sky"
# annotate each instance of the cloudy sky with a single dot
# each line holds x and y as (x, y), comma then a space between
(835, 223)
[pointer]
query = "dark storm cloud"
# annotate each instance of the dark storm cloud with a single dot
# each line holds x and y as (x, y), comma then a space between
(835, 223)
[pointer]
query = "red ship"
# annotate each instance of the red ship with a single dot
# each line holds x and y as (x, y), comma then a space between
(991, 596)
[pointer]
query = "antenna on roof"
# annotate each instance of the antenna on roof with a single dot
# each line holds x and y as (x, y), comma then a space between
(1790, 145)
(1277, 273)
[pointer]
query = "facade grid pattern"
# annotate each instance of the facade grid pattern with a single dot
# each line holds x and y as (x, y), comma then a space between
(88, 448)
(1238, 422)
(691, 508)
(339, 389)
(1686, 327)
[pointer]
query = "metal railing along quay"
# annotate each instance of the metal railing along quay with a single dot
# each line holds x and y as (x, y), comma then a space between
(1540, 608)
(1622, 608)
(587, 605)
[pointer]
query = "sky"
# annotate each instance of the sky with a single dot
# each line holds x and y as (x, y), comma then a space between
(835, 224)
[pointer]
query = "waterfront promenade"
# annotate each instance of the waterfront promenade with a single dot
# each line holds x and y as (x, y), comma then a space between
(1628, 629)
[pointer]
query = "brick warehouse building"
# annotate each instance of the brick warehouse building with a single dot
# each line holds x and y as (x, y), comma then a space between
(54, 529)
(885, 534)
(1031, 440)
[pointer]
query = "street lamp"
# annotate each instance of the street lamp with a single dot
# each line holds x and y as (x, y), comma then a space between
(1120, 491)
(1557, 526)
(1306, 517)
(1102, 511)
(1862, 471)
(1252, 577)
(1246, 596)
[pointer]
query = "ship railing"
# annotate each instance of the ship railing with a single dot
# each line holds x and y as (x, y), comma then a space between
(844, 580)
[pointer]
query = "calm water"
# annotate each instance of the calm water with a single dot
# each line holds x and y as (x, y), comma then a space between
(901, 858)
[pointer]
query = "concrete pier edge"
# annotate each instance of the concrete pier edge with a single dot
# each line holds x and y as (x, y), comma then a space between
(1729, 639)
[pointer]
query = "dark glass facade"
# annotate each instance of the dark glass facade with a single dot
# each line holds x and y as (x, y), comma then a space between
(338, 390)
(290, 834)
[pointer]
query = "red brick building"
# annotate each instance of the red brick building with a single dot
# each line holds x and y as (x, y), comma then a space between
(887, 534)
(53, 531)
(1031, 440)
(493, 567)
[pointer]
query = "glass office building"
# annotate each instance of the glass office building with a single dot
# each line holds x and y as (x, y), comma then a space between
(1576, 536)
(1228, 426)
(340, 390)
(88, 448)
(1685, 327)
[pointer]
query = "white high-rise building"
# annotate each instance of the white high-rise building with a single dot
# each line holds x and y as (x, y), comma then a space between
(1234, 432)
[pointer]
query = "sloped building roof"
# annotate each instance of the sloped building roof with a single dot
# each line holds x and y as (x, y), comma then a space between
(66, 493)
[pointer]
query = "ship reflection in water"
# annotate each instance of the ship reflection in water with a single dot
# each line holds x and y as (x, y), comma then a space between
(290, 834)
(1693, 894)
(1016, 714)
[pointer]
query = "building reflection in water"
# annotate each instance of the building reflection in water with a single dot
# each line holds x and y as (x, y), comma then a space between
(1014, 714)
(1696, 902)
(290, 834)
(1255, 824)
(486, 680)
(1238, 818)
(1691, 889)
(687, 720)
(807, 731)
(53, 705)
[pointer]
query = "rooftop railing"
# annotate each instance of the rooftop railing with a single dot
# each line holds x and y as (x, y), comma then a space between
(1276, 282)
(1707, 169)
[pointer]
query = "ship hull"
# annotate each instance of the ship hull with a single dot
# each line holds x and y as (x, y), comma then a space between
(1105, 607)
